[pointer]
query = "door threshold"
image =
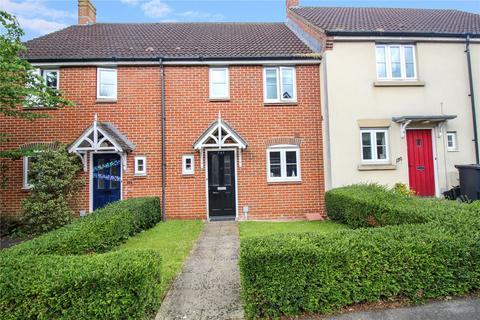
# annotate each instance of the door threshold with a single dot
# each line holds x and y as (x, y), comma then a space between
(221, 218)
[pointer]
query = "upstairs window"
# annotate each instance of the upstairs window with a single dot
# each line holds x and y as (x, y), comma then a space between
(51, 78)
(187, 164)
(219, 83)
(374, 145)
(107, 83)
(141, 166)
(280, 84)
(283, 163)
(396, 62)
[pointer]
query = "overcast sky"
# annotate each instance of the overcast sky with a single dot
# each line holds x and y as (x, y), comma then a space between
(39, 17)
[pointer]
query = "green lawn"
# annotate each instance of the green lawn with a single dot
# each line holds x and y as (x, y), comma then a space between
(173, 239)
(256, 228)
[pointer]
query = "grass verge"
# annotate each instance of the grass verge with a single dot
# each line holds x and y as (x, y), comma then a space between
(260, 228)
(173, 240)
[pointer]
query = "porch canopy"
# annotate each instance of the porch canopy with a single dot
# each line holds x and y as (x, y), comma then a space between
(101, 137)
(220, 135)
(437, 120)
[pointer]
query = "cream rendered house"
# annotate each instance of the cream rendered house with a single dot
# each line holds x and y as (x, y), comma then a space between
(395, 93)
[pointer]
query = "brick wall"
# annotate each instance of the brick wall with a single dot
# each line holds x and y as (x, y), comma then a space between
(188, 113)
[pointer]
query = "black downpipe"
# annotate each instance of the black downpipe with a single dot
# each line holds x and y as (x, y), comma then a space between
(162, 80)
(472, 98)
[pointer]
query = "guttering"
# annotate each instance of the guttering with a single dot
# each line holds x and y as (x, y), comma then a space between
(472, 98)
(398, 34)
(162, 80)
(174, 61)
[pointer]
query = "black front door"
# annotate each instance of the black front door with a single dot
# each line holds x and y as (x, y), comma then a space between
(221, 184)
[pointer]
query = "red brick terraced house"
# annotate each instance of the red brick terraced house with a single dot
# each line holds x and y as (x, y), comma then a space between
(242, 117)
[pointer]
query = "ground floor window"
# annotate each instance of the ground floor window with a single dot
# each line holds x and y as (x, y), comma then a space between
(140, 166)
(283, 163)
(452, 141)
(27, 162)
(374, 145)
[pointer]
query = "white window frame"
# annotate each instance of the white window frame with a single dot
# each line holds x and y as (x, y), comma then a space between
(373, 135)
(283, 165)
(186, 171)
(139, 172)
(99, 71)
(44, 76)
(453, 134)
(26, 169)
(278, 71)
(227, 76)
(388, 62)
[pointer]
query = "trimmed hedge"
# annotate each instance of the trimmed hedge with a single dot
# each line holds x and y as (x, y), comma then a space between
(295, 273)
(117, 285)
(372, 205)
(100, 231)
(60, 275)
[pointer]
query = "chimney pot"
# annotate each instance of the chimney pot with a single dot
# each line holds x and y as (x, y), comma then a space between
(87, 14)
(292, 3)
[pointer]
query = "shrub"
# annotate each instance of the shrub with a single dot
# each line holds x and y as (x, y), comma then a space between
(375, 206)
(291, 274)
(54, 180)
(117, 285)
(100, 231)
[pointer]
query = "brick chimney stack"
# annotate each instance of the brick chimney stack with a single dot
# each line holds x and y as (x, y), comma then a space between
(87, 14)
(292, 3)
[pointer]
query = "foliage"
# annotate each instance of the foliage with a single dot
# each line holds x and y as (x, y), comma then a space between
(402, 188)
(8, 224)
(173, 240)
(98, 232)
(117, 285)
(60, 275)
(262, 228)
(426, 249)
(19, 83)
(54, 180)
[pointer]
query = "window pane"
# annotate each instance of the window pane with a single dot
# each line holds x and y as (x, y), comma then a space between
(287, 84)
(275, 167)
(51, 79)
(292, 170)
(271, 78)
(366, 146)
(100, 174)
(381, 146)
(219, 75)
(108, 77)
(114, 177)
(219, 90)
(291, 157)
(107, 90)
(381, 62)
(395, 60)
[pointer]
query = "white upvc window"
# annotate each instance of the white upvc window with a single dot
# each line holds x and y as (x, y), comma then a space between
(396, 62)
(27, 162)
(283, 163)
(188, 166)
(51, 78)
(279, 84)
(374, 144)
(452, 141)
(107, 83)
(219, 83)
(140, 166)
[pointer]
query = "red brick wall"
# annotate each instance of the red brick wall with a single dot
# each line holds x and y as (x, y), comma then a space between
(188, 113)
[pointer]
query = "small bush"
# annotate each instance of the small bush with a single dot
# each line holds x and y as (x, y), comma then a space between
(98, 232)
(117, 285)
(54, 180)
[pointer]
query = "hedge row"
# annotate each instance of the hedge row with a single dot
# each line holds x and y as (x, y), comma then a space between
(296, 273)
(116, 285)
(372, 205)
(60, 275)
(98, 232)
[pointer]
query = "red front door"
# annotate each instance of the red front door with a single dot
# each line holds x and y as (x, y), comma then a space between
(420, 162)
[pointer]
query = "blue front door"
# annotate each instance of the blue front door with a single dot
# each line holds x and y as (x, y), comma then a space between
(106, 179)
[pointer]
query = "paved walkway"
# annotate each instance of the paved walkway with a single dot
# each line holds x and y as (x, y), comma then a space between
(456, 309)
(209, 285)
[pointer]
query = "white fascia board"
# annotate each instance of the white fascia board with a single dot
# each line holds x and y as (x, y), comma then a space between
(391, 38)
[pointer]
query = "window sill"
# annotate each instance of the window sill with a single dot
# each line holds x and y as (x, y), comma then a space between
(143, 175)
(39, 108)
(219, 99)
(26, 189)
(281, 103)
(374, 167)
(284, 182)
(106, 101)
(399, 83)
(188, 175)
(453, 150)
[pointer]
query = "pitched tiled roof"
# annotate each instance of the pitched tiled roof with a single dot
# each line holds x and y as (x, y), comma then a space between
(337, 20)
(169, 40)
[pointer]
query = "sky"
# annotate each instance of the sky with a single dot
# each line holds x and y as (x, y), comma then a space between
(39, 17)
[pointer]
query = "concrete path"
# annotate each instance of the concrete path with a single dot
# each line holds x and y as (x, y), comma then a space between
(209, 284)
(456, 309)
